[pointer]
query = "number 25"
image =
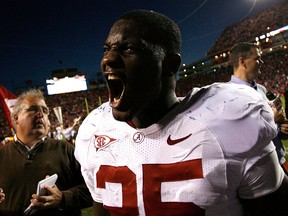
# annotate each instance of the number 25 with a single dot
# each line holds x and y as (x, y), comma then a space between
(153, 175)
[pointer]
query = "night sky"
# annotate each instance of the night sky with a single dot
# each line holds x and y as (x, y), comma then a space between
(37, 35)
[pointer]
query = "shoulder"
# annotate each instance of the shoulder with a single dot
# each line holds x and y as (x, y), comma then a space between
(58, 144)
(234, 114)
(95, 118)
(231, 89)
(237, 96)
(6, 146)
(99, 119)
(102, 111)
(230, 101)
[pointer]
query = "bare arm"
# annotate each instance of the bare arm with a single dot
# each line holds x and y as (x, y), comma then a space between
(272, 204)
(99, 210)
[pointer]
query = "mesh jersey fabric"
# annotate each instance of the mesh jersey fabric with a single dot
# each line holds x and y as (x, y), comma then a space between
(197, 160)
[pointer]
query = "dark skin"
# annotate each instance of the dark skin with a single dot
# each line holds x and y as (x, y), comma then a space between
(147, 92)
(148, 81)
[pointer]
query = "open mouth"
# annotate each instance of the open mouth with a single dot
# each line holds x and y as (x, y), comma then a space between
(39, 123)
(116, 89)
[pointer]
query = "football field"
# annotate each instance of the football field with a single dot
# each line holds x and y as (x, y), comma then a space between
(87, 212)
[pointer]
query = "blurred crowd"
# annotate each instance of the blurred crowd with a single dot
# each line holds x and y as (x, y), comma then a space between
(274, 70)
(246, 30)
(74, 105)
(274, 75)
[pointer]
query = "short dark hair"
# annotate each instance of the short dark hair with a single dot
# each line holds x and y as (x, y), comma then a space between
(240, 50)
(163, 31)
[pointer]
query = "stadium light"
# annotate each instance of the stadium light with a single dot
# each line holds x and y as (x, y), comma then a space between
(262, 37)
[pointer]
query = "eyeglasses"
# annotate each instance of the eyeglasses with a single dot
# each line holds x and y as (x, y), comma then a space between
(35, 109)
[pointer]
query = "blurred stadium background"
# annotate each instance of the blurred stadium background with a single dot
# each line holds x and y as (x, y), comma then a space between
(268, 29)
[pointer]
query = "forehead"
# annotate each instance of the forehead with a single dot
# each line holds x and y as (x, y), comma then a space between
(126, 30)
(33, 101)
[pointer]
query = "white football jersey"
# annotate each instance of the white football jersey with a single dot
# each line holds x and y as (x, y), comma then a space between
(197, 160)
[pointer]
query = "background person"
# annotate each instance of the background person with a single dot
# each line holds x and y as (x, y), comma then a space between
(69, 130)
(147, 152)
(245, 58)
(33, 156)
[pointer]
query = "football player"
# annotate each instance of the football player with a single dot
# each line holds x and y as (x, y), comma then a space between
(148, 152)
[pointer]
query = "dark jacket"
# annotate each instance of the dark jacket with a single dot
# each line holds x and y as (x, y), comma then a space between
(20, 172)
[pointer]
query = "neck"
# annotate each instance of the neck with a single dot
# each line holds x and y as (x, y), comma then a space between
(155, 112)
(28, 141)
(243, 77)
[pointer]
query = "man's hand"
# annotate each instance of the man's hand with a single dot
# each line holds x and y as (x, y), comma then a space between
(284, 127)
(2, 195)
(278, 114)
(52, 200)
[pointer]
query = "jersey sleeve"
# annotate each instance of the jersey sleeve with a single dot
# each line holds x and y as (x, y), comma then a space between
(244, 125)
(262, 173)
(263, 178)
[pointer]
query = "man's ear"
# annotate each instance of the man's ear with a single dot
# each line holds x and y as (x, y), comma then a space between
(15, 117)
(171, 64)
(242, 62)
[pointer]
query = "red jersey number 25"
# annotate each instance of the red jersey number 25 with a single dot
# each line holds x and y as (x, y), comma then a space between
(153, 175)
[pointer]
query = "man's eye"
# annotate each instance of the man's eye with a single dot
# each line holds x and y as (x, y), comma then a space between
(105, 49)
(130, 49)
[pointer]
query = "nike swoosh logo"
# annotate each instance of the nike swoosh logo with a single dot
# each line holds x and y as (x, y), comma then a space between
(173, 142)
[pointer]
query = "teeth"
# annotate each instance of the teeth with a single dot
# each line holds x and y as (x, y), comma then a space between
(115, 100)
(112, 77)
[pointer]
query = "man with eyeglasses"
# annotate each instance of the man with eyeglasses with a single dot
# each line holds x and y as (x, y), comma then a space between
(32, 157)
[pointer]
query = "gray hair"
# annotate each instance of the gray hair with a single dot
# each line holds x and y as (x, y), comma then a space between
(36, 93)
